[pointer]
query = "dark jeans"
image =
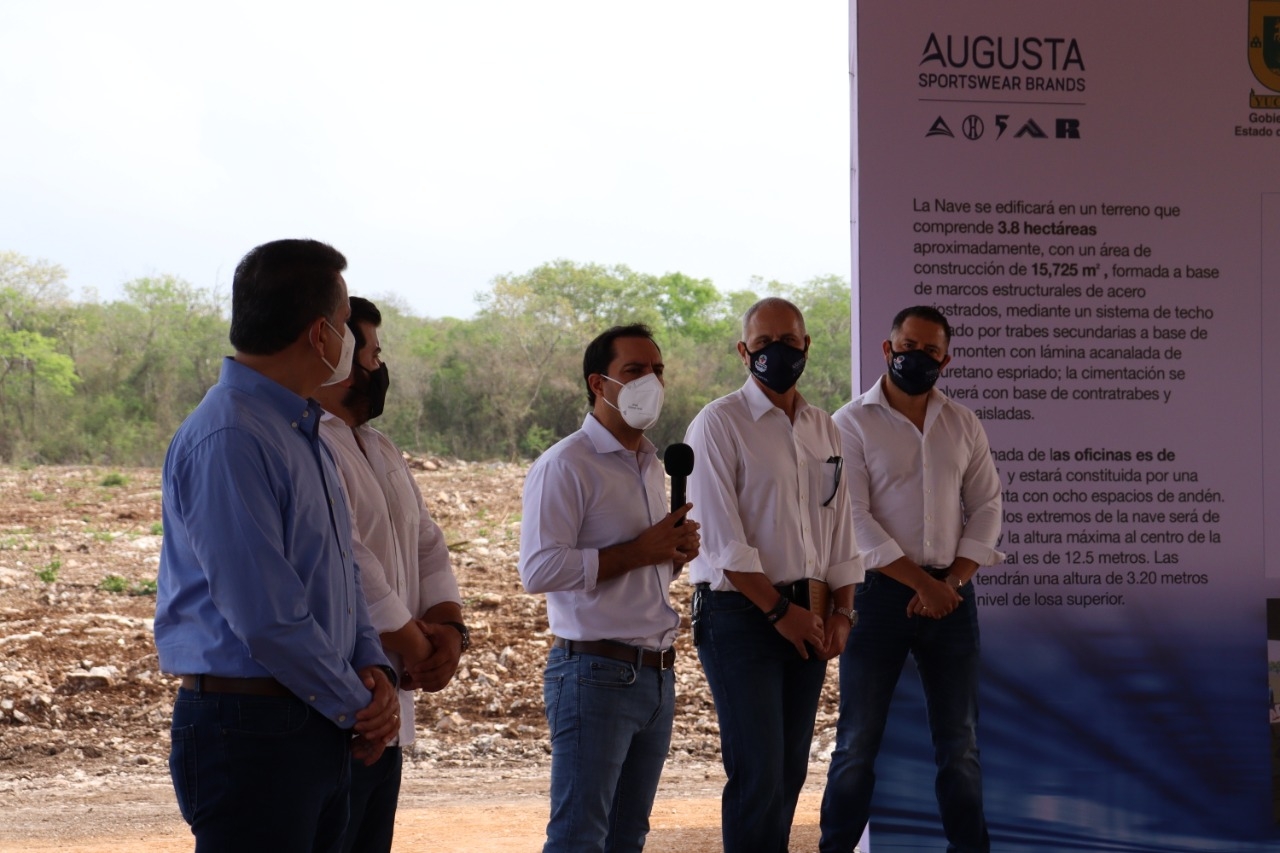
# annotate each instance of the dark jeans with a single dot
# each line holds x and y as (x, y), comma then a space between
(766, 699)
(374, 793)
(946, 655)
(257, 773)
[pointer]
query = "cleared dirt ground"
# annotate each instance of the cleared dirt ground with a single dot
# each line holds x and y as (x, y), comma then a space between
(84, 710)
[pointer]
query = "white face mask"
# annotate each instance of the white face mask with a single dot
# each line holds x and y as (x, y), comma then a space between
(343, 369)
(640, 400)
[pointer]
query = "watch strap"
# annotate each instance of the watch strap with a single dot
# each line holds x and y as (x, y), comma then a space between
(462, 631)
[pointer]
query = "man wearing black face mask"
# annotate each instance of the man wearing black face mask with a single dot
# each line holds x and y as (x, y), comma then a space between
(925, 498)
(404, 567)
(776, 525)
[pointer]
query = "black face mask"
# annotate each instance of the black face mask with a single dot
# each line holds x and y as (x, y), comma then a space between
(367, 398)
(778, 366)
(913, 371)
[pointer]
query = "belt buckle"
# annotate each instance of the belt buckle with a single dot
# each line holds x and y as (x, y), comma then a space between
(663, 664)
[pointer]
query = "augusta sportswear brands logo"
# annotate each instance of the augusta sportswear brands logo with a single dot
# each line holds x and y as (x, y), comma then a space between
(1000, 64)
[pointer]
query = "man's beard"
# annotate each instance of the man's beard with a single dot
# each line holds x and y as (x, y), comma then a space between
(356, 400)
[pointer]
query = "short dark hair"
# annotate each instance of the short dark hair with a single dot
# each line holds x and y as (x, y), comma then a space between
(278, 289)
(601, 351)
(362, 311)
(924, 312)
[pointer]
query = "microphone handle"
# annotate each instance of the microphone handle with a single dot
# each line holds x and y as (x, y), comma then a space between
(677, 496)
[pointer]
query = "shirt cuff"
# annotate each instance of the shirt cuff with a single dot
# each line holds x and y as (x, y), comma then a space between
(881, 555)
(983, 555)
(843, 574)
(439, 588)
(374, 657)
(738, 557)
(590, 568)
(389, 614)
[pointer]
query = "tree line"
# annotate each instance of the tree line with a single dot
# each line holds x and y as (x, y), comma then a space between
(87, 381)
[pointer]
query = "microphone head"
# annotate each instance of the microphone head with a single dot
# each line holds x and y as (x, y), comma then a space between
(678, 460)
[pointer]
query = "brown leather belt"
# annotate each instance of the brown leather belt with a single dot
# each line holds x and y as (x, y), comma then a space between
(249, 686)
(618, 651)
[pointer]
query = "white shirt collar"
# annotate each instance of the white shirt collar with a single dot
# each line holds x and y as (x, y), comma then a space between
(606, 442)
(759, 404)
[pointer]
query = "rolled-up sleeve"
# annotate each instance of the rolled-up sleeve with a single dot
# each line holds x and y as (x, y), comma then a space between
(550, 524)
(877, 547)
(386, 611)
(980, 495)
(713, 493)
(437, 581)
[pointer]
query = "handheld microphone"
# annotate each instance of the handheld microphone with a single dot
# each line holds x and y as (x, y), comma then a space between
(678, 460)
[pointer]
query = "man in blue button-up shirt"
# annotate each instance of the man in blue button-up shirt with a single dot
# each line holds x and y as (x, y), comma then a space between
(260, 608)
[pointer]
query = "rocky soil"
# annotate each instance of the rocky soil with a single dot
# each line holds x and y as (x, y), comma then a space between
(81, 696)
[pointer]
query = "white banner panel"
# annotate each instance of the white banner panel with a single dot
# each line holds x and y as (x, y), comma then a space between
(1089, 191)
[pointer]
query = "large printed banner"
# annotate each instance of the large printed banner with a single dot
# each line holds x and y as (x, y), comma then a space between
(1091, 192)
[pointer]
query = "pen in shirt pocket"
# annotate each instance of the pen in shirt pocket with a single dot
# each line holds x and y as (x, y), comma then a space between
(838, 462)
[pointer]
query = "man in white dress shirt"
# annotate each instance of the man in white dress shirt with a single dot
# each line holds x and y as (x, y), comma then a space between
(596, 537)
(404, 567)
(775, 518)
(925, 496)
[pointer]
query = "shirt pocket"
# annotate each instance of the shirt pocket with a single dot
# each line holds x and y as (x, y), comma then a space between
(829, 482)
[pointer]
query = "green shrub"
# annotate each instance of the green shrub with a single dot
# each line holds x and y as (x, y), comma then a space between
(49, 574)
(113, 583)
(147, 587)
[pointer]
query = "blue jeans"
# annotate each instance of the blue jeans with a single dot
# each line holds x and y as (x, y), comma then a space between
(258, 773)
(766, 699)
(610, 727)
(374, 793)
(946, 655)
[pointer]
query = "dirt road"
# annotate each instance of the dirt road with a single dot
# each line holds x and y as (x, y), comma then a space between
(496, 814)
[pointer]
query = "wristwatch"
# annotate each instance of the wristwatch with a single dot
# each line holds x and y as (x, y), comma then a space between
(391, 674)
(462, 629)
(848, 613)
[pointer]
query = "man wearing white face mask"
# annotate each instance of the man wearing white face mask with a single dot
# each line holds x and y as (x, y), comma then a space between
(259, 607)
(596, 537)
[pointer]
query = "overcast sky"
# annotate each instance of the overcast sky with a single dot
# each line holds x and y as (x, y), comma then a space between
(436, 144)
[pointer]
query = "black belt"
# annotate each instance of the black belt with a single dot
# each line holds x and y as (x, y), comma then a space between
(249, 686)
(938, 572)
(618, 651)
(796, 591)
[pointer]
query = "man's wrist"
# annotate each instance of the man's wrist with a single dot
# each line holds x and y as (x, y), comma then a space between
(390, 673)
(779, 609)
(462, 632)
(954, 581)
